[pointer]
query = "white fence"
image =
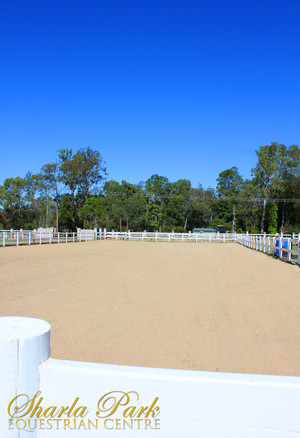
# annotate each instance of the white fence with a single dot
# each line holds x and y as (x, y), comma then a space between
(66, 399)
(170, 237)
(286, 248)
(26, 237)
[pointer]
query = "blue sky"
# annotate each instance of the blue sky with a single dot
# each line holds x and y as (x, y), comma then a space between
(184, 89)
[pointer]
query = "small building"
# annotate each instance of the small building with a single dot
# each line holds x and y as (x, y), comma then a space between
(210, 230)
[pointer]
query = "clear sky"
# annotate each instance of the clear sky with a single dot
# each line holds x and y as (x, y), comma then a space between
(184, 89)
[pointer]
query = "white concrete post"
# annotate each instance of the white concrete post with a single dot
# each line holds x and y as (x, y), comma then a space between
(57, 237)
(4, 238)
(40, 238)
(24, 344)
(18, 234)
(73, 236)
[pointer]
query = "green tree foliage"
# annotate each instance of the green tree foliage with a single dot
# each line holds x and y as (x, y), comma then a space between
(272, 218)
(79, 196)
(229, 185)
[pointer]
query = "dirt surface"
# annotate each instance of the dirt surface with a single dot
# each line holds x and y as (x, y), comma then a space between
(215, 307)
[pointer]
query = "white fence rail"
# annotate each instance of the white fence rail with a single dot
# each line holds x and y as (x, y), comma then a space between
(286, 248)
(22, 237)
(120, 401)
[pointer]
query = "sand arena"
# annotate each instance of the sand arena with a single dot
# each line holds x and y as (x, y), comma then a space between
(213, 307)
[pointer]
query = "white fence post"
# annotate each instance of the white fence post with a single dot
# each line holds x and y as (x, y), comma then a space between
(73, 236)
(289, 247)
(4, 235)
(24, 345)
(280, 247)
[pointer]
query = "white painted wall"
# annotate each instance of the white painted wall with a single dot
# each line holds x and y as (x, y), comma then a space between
(193, 404)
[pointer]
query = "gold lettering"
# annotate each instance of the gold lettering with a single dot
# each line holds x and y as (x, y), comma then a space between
(148, 423)
(67, 423)
(80, 412)
(109, 402)
(25, 407)
(118, 424)
(17, 424)
(131, 411)
(57, 422)
(52, 410)
(108, 419)
(91, 423)
(82, 424)
(150, 410)
(142, 411)
(138, 422)
(127, 424)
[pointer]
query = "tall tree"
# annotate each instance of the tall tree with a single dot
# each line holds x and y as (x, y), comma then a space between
(264, 173)
(157, 191)
(229, 184)
(82, 174)
(50, 184)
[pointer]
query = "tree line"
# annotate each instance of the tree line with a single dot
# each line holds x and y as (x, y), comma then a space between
(75, 192)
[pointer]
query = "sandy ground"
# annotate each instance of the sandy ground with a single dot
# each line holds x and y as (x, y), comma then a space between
(215, 307)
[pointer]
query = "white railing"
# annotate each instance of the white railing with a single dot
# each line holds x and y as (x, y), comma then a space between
(170, 237)
(63, 399)
(286, 248)
(22, 237)
(25, 237)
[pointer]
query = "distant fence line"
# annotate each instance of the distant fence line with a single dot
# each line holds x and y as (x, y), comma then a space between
(286, 246)
(29, 237)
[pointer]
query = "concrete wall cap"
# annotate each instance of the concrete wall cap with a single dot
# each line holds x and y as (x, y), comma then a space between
(13, 328)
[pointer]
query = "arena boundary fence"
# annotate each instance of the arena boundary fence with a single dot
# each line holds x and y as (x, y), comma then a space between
(177, 403)
(286, 247)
